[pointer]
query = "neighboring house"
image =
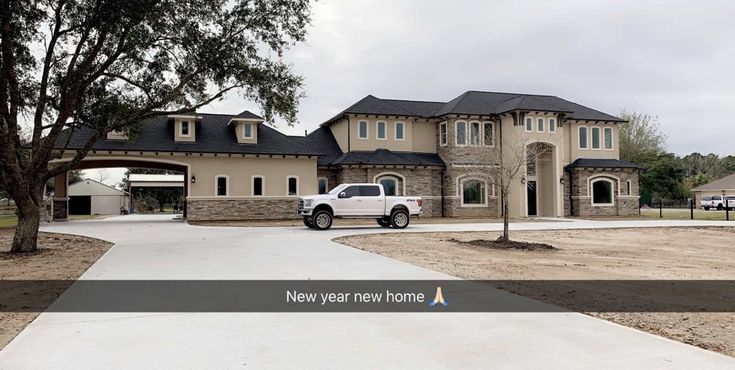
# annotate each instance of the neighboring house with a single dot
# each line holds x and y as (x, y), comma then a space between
(90, 197)
(237, 168)
(723, 186)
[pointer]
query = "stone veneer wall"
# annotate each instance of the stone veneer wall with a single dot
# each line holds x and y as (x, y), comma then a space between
(61, 209)
(624, 204)
(453, 193)
(241, 209)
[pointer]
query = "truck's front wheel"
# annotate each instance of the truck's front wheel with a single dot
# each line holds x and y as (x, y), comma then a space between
(322, 220)
(399, 219)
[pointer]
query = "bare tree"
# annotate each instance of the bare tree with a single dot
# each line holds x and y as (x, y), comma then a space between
(102, 174)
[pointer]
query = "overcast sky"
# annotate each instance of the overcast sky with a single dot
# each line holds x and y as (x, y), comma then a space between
(674, 59)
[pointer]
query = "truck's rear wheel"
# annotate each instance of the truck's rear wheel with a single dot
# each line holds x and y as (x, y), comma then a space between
(309, 222)
(322, 220)
(399, 219)
(384, 222)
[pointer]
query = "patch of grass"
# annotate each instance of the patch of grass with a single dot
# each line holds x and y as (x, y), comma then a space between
(8, 221)
(684, 214)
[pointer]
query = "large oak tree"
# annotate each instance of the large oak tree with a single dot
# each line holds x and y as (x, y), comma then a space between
(111, 64)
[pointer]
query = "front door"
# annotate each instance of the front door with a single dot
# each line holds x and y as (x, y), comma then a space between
(531, 190)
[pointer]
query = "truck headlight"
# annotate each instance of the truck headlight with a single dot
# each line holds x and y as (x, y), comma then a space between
(307, 203)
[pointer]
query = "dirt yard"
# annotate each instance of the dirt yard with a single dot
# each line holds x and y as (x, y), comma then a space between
(620, 254)
(60, 257)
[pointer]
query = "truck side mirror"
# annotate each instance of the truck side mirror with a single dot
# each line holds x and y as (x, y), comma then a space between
(342, 195)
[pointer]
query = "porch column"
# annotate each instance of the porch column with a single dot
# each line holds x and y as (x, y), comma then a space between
(61, 199)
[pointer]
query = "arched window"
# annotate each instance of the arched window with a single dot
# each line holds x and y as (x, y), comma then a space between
(390, 185)
(292, 185)
(258, 186)
(473, 192)
(582, 137)
(602, 192)
(222, 186)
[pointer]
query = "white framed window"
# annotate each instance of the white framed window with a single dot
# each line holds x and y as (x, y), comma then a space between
(443, 134)
(529, 124)
(390, 185)
(362, 130)
(540, 123)
(552, 124)
(222, 185)
(629, 187)
(488, 131)
(473, 192)
(474, 133)
(608, 138)
(322, 185)
(292, 185)
(257, 186)
(400, 131)
(595, 133)
(460, 130)
(582, 137)
(247, 130)
(602, 192)
(380, 130)
(184, 129)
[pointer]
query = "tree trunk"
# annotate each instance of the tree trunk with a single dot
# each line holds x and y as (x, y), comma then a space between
(506, 221)
(26, 232)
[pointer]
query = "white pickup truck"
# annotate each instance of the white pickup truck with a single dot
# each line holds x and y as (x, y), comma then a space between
(715, 201)
(358, 201)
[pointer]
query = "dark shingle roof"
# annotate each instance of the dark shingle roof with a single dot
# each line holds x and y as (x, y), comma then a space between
(602, 163)
(213, 135)
(387, 157)
(247, 115)
(323, 142)
(475, 103)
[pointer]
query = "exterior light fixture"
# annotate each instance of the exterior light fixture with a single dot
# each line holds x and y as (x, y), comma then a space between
(193, 179)
(523, 180)
(561, 180)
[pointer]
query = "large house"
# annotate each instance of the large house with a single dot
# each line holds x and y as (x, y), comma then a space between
(236, 167)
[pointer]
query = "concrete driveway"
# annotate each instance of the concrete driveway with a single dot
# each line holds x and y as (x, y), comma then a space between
(154, 247)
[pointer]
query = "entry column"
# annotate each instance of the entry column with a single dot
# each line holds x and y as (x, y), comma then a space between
(61, 198)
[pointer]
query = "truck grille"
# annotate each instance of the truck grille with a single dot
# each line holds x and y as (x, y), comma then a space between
(301, 204)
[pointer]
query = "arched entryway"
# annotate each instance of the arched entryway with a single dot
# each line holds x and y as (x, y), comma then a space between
(542, 180)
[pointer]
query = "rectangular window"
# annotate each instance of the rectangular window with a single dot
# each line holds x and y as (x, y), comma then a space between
(540, 124)
(461, 138)
(475, 133)
(293, 186)
(595, 137)
(380, 132)
(489, 132)
(552, 124)
(583, 137)
(321, 185)
(221, 186)
(247, 130)
(443, 133)
(184, 128)
(629, 186)
(608, 138)
(257, 186)
(529, 124)
(400, 134)
(362, 128)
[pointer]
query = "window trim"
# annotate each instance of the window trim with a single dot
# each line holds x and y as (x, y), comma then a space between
(395, 175)
(252, 185)
(250, 124)
(629, 187)
(367, 130)
(326, 184)
(542, 121)
(492, 130)
(446, 134)
(181, 128)
(612, 139)
(456, 133)
(395, 130)
(587, 137)
(460, 191)
(377, 130)
(388, 177)
(297, 185)
(227, 185)
(552, 125)
(599, 138)
(525, 123)
(592, 195)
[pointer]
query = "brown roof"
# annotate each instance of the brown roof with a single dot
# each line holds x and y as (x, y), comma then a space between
(725, 183)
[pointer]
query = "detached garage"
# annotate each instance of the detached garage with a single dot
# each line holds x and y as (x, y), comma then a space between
(90, 197)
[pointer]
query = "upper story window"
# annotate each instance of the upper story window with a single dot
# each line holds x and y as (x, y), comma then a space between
(247, 130)
(608, 138)
(322, 185)
(443, 134)
(461, 133)
(258, 186)
(552, 124)
(292, 182)
(582, 137)
(529, 124)
(222, 186)
(489, 133)
(540, 124)
(595, 137)
(380, 131)
(400, 131)
(474, 133)
(362, 129)
(184, 128)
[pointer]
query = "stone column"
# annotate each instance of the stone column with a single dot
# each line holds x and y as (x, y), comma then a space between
(61, 198)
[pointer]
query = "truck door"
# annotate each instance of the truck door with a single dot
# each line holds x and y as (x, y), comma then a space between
(372, 201)
(347, 202)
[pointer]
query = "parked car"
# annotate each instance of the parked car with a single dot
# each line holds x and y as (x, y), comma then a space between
(358, 201)
(714, 201)
(729, 202)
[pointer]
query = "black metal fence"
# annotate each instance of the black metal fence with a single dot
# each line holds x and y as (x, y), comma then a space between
(680, 208)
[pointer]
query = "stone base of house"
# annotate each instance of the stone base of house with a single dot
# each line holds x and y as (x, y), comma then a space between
(241, 209)
(453, 208)
(61, 209)
(580, 201)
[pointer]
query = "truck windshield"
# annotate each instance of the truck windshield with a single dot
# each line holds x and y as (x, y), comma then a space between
(337, 190)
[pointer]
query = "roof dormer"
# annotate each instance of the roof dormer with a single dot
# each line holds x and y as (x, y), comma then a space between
(120, 134)
(246, 126)
(184, 127)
